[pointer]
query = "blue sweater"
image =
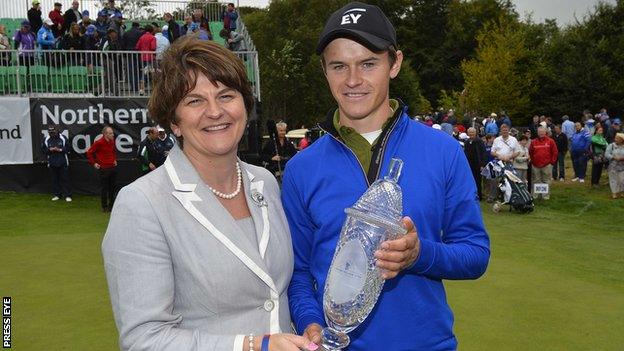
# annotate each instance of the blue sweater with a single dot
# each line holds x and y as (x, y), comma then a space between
(439, 195)
(580, 141)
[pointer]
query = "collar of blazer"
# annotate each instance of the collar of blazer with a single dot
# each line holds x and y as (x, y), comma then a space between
(187, 192)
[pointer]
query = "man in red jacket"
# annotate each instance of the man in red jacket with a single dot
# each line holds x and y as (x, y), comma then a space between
(103, 157)
(147, 42)
(543, 152)
(57, 18)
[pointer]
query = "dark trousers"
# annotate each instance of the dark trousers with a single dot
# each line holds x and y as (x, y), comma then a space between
(559, 167)
(108, 179)
(60, 181)
(579, 162)
(476, 174)
(596, 172)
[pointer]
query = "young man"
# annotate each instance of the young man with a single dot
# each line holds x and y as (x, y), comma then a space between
(102, 155)
(147, 152)
(56, 147)
(562, 147)
(229, 17)
(359, 55)
(34, 16)
(162, 145)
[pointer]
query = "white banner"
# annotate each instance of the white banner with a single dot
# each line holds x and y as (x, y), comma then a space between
(15, 133)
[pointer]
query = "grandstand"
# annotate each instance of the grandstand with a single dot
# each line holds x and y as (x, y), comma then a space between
(81, 90)
(102, 74)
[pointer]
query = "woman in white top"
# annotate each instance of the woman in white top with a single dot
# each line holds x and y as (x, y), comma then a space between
(615, 155)
(521, 162)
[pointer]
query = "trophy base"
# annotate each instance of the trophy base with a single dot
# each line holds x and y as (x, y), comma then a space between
(334, 340)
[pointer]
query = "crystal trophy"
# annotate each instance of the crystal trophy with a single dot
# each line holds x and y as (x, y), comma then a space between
(354, 282)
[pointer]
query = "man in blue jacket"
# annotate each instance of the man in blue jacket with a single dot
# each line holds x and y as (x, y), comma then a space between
(45, 37)
(359, 55)
(56, 147)
(490, 125)
(579, 151)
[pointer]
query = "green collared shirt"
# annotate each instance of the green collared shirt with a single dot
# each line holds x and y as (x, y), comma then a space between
(356, 142)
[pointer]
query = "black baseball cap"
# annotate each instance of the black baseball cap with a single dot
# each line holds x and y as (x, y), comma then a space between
(363, 23)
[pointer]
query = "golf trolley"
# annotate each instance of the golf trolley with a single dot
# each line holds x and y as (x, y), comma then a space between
(513, 190)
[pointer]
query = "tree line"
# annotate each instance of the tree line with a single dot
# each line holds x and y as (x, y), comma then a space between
(476, 56)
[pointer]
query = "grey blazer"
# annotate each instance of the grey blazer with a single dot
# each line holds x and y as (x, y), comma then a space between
(180, 273)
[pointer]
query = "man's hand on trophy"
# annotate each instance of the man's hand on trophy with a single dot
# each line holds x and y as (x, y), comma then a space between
(399, 254)
(313, 332)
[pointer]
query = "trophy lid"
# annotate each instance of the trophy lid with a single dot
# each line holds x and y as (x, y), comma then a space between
(384, 199)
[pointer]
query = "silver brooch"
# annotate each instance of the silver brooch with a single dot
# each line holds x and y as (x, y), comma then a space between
(258, 198)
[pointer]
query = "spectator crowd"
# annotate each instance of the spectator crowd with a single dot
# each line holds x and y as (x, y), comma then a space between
(40, 37)
(538, 153)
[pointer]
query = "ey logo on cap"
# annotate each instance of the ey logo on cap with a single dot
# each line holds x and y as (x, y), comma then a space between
(351, 18)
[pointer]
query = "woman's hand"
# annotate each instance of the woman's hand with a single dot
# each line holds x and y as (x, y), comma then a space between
(290, 342)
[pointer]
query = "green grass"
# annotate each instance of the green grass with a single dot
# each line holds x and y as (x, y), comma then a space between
(52, 268)
(555, 280)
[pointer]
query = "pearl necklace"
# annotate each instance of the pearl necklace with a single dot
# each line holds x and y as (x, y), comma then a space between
(239, 182)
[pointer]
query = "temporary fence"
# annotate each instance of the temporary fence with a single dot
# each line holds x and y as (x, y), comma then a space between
(62, 73)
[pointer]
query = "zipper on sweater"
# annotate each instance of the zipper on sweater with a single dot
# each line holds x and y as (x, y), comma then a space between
(384, 143)
(352, 153)
(382, 150)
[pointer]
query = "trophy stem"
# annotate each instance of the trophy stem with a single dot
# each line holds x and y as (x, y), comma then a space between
(334, 340)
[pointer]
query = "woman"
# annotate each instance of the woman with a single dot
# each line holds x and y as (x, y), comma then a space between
(5, 57)
(521, 162)
(598, 147)
(73, 41)
(197, 253)
(615, 155)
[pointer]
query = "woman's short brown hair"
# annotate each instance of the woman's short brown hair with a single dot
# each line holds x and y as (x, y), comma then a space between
(187, 57)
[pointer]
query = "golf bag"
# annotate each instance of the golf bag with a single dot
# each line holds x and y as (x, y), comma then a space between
(519, 198)
(514, 191)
